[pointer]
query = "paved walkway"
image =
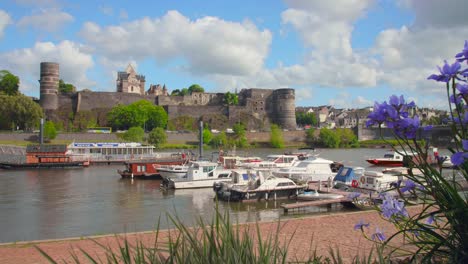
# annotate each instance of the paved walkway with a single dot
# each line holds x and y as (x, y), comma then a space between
(315, 232)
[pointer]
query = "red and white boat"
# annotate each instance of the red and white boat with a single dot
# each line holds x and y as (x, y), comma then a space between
(390, 159)
(150, 168)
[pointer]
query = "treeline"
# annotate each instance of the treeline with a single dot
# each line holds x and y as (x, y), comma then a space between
(332, 138)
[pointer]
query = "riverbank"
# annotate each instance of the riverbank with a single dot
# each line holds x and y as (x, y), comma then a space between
(320, 233)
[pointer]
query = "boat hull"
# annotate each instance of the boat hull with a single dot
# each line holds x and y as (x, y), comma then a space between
(251, 195)
(15, 166)
(193, 184)
(385, 163)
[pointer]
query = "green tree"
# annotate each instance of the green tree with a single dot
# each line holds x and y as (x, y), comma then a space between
(303, 119)
(157, 117)
(138, 114)
(231, 99)
(9, 83)
(66, 87)
(276, 137)
(195, 88)
(19, 111)
(347, 138)
(207, 136)
(220, 140)
(329, 138)
(178, 92)
(134, 134)
(157, 137)
(240, 138)
(49, 130)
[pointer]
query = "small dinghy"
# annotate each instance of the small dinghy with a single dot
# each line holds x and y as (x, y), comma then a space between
(313, 196)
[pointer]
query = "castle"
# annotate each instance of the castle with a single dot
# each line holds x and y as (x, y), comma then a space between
(257, 108)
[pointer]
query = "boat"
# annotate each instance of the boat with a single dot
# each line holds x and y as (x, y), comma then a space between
(113, 152)
(272, 162)
(310, 170)
(314, 196)
(345, 177)
(240, 177)
(392, 158)
(146, 169)
(173, 171)
(200, 174)
(45, 156)
(262, 185)
(375, 181)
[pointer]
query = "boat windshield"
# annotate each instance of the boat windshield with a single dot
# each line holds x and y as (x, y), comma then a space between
(388, 155)
(302, 164)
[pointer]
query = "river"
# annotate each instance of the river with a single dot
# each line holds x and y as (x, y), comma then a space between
(60, 203)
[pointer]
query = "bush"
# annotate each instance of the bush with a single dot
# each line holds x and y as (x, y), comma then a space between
(328, 138)
(134, 134)
(276, 137)
(49, 130)
(157, 137)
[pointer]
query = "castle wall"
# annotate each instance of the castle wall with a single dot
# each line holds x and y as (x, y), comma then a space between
(92, 100)
(192, 100)
(285, 108)
(194, 111)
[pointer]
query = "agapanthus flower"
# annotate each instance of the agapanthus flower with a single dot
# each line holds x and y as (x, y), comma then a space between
(392, 208)
(462, 56)
(354, 195)
(462, 88)
(456, 99)
(361, 225)
(446, 72)
(430, 219)
(406, 127)
(378, 235)
(409, 185)
(460, 157)
(428, 128)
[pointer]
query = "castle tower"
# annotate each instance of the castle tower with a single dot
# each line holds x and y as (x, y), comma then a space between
(49, 84)
(285, 108)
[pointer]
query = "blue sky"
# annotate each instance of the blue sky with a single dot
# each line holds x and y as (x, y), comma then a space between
(345, 53)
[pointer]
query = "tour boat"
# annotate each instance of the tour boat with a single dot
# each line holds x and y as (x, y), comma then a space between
(112, 152)
(261, 185)
(200, 174)
(310, 170)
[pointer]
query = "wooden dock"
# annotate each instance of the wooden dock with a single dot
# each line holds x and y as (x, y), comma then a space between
(321, 188)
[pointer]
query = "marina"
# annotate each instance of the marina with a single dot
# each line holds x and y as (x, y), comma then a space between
(51, 203)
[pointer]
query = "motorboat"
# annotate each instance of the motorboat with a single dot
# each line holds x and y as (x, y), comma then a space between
(200, 174)
(376, 181)
(149, 168)
(392, 159)
(346, 175)
(262, 185)
(173, 171)
(309, 170)
(314, 196)
(272, 162)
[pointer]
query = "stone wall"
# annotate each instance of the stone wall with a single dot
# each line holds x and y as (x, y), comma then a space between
(87, 101)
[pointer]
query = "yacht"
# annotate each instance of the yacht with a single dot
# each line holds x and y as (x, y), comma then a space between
(309, 170)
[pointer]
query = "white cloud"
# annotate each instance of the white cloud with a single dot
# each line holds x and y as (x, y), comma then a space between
(26, 64)
(208, 45)
(5, 20)
(50, 20)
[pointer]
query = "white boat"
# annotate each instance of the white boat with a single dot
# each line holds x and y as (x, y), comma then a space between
(262, 185)
(310, 170)
(374, 181)
(173, 171)
(200, 174)
(314, 196)
(272, 162)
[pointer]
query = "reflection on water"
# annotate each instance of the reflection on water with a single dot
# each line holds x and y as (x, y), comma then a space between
(58, 203)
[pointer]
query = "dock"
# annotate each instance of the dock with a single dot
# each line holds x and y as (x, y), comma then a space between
(321, 188)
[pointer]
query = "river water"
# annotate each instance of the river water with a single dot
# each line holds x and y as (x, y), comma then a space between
(60, 203)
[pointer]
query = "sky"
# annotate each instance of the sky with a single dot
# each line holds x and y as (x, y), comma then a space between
(344, 53)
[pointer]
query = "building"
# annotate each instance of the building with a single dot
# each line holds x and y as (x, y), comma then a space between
(129, 81)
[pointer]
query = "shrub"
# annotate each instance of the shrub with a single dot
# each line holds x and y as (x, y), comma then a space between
(276, 137)
(157, 137)
(49, 130)
(134, 134)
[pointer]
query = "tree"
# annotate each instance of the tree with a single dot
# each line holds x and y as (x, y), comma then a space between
(329, 138)
(157, 137)
(311, 139)
(19, 111)
(9, 83)
(178, 92)
(347, 138)
(134, 134)
(207, 136)
(240, 139)
(276, 137)
(303, 119)
(66, 87)
(195, 88)
(231, 99)
(138, 114)
(49, 130)
(220, 140)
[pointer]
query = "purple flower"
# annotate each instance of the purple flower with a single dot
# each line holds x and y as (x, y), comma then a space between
(354, 195)
(361, 225)
(409, 185)
(428, 128)
(464, 54)
(459, 157)
(446, 72)
(378, 235)
(455, 99)
(463, 88)
(430, 219)
(392, 208)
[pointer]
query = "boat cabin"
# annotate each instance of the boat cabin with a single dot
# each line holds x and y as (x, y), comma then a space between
(47, 154)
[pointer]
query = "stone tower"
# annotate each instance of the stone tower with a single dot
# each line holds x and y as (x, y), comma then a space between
(49, 84)
(130, 82)
(285, 108)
